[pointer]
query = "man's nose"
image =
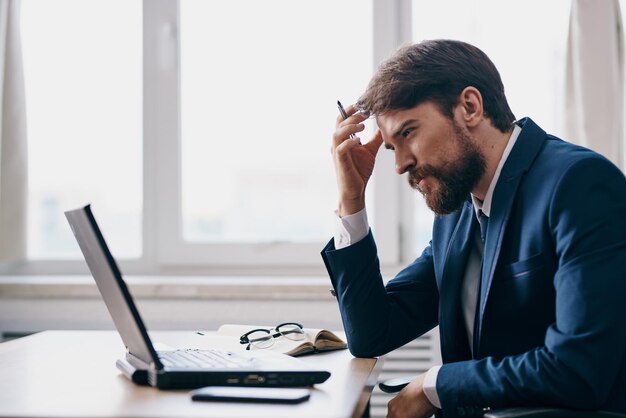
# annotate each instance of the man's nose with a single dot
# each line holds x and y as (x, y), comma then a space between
(404, 161)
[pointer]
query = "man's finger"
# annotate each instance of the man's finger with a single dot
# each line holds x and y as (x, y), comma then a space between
(350, 110)
(353, 116)
(374, 144)
(342, 149)
(343, 133)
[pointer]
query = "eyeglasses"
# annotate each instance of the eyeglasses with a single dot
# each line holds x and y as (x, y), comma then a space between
(264, 338)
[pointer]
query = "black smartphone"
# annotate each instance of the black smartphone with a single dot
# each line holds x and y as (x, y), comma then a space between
(251, 394)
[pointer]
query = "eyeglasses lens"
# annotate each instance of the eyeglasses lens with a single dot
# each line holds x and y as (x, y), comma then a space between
(292, 332)
(261, 339)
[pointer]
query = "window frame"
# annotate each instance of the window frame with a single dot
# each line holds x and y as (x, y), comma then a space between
(391, 28)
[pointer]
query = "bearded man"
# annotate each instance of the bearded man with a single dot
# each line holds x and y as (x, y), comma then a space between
(525, 274)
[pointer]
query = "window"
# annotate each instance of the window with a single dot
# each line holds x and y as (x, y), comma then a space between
(257, 114)
(83, 97)
(257, 109)
(203, 132)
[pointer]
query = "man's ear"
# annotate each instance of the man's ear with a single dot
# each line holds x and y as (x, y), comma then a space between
(471, 106)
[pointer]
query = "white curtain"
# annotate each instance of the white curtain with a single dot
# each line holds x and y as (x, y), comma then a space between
(13, 150)
(595, 79)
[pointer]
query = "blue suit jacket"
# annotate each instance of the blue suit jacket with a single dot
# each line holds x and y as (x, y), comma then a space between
(551, 329)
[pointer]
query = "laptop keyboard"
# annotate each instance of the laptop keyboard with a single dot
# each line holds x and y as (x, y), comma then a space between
(200, 359)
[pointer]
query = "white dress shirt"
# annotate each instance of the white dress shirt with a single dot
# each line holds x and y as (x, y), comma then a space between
(352, 228)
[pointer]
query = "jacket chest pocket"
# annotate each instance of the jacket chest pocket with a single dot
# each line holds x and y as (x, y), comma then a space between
(529, 267)
(522, 286)
(522, 297)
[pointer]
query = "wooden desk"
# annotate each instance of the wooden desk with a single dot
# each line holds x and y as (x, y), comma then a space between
(73, 373)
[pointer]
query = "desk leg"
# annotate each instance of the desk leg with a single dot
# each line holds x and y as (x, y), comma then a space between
(366, 413)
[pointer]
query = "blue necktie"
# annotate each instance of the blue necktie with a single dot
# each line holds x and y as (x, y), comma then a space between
(483, 220)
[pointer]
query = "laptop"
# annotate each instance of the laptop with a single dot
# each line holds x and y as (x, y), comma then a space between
(180, 368)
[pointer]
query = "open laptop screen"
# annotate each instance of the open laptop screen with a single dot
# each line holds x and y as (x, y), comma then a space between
(111, 285)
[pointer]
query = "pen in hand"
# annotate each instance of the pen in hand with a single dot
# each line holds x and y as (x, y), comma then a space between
(344, 115)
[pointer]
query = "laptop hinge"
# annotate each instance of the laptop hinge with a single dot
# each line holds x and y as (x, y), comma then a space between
(138, 363)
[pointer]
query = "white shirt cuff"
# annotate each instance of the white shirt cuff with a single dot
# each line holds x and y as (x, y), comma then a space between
(351, 229)
(430, 386)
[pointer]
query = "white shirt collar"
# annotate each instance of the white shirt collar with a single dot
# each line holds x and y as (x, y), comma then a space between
(485, 205)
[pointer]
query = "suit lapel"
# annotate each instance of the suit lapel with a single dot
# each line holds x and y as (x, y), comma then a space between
(455, 263)
(520, 159)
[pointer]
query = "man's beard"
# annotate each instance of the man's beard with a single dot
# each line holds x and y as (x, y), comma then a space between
(455, 179)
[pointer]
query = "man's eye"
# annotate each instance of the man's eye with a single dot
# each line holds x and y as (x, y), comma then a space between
(406, 132)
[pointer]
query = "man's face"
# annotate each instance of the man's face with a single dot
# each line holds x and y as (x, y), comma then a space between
(441, 158)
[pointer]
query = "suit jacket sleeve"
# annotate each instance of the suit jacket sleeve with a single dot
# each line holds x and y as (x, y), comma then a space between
(379, 318)
(578, 364)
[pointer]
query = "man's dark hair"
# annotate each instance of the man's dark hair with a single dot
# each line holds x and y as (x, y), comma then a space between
(437, 71)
